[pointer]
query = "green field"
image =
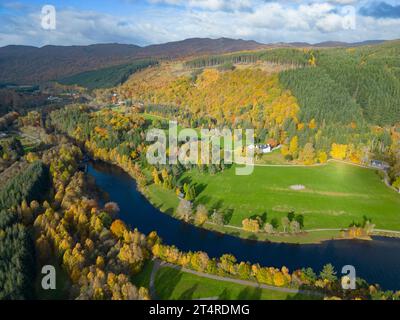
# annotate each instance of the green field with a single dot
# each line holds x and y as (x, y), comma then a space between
(275, 157)
(172, 284)
(335, 195)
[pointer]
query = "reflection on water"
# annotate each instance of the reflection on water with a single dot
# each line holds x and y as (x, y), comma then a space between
(376, 261)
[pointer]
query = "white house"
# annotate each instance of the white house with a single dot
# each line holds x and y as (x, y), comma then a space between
(261, 148)
(264, 148)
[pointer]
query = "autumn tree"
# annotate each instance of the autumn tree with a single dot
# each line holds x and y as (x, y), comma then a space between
(251, 225)
(111, 208)
(307, 155)
(156, 177)
(322, 157)
(285, 224)
(396, 184)
(338, 151)
(294, 227)
(184, 210)
(201, 215)
(190, 192)
(293, 146)
(218, 218)
(269, 228)
(118, 228)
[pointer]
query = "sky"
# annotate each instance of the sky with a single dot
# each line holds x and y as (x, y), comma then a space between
(145, 22)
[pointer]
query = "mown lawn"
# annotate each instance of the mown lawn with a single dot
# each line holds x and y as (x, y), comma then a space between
(275, 157)
(172, 284)
(335, 195)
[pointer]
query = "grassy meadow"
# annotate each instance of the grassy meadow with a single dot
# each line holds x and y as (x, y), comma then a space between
(335, 195)
(172, 284)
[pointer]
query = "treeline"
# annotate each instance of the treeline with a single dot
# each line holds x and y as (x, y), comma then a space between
(183, 115)
(16, 248)
(325, 284)
(98, 253)
(107, 77)
(16, 258)
(296, 57)
(28, 185)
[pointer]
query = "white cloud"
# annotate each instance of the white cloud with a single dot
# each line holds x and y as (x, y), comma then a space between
(213, 5)
(267, 22)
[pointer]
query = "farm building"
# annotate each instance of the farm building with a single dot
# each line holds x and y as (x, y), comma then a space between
(380, 164)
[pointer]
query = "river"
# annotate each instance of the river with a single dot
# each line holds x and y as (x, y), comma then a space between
(376, 261)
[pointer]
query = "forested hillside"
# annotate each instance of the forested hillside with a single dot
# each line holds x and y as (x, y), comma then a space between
(365, 76)
(298, 57)
(342, 103)
(371, 76)
(107, 77)
(28, 65)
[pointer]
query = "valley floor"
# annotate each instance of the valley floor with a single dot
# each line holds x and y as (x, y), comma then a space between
(334, 196)
(170, 282)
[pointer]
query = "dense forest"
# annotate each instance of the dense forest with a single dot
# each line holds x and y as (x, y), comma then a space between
(16, 247)
(367, 77)
(340, 103)
(294, 57)
(107, 77)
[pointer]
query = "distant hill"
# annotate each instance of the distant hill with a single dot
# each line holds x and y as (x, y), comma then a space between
(32, 65)
(333, 44)
(196, 46)
(27, 65)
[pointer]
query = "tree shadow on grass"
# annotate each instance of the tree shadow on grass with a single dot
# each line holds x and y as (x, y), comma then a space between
(202, 200)
(250, 293)
(228, 213)
(199, 187)
(262, 216)
(306, 294)
(187, 180)
(188, 294)
(217, 205)
(166, 281)
(225, 295)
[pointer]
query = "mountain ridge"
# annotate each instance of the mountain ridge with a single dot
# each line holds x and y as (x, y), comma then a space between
(33, 65)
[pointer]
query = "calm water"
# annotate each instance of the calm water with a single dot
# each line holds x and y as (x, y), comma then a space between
(376, 261)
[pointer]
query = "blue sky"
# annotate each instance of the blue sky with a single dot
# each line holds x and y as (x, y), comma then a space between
(144, 22)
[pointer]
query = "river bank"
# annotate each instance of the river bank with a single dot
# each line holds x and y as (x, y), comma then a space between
(166, 201)
(376, 261)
